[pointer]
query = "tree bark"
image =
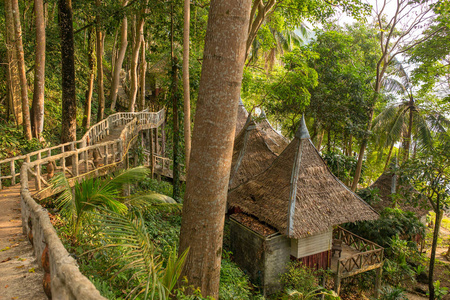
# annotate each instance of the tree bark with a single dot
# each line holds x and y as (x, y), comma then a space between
(13, 72)
(37, 107)
(69, 104)
(186, 85)
(437, 226)
(138, 37)
(119, 61)
(99, 48)
(176, 132)
(143, 70)
(409, 134)
(212, 143)
(89, 91)
(22, 72)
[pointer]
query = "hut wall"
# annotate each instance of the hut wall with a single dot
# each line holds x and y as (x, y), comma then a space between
(276, 258)
(311, 245)
(262, 259)
(316, 261)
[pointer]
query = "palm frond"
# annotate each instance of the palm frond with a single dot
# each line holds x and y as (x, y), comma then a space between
(422, 132)
(150, 200)
(64, 201)
(128, 176)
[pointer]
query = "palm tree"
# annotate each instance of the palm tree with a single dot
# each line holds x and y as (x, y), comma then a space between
(139, 255)
(94, 193)
(399, 121)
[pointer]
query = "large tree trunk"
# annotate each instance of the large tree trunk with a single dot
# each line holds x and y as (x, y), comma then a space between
(212, 143)
(22, 72)
(69, 102)
(143, 70)
(100, 89)
(437, 226)
(119, 61)
(89, 91)
(186, 85)
(12, 74)
(138, 37)
(37, 107)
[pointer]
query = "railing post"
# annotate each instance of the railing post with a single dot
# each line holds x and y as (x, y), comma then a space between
(106, 155)
(75, 164)
(38, 173)
(337, 279)
(13, 172)
(379, 272)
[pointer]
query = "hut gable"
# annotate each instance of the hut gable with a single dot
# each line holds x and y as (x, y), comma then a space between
(252, 154)
(298, 195)
(242, 115)
(275, 141)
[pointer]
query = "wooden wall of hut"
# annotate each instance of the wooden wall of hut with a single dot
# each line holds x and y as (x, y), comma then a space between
(316, 261)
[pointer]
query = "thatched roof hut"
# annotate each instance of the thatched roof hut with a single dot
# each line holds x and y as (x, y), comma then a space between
(242, 115)
(298, 195)
(386, 185)
(276, 141)
(253, 152)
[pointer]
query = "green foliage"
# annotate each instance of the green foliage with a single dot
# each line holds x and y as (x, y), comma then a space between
(371, 196)
(392, 293)
(13, 143)
(300, 278)
(392, 222)
(342, 166)
(439, 292)
(234, 284)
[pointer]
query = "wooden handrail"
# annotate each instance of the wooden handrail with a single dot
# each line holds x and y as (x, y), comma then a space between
(93, 135)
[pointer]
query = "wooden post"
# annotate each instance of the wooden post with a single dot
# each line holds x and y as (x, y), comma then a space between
(337, 279)
(13, 172)
(106, 155)
(38, 173)
(152, 162)
(379, 272)
(75, 164)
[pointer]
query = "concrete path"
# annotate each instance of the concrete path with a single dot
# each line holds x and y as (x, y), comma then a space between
(20, 275)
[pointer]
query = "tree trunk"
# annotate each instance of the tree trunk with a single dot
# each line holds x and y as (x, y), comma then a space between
(138, 37)
(388, 159)
(176, 132)
(119, 61)
(69, 104)
(409, 134)
(89, 91)
(437, 226)
(22, 72)
(143, 66)
(12, 74)
(212, 143)
(100, 88)
(37, 107)
(186, 85)
(320, 139)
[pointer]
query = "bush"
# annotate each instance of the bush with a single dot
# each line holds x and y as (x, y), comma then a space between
(234, 284)
(299, 278)
(392, 293)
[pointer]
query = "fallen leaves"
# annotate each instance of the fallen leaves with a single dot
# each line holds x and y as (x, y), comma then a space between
(5, 260)
(4, 249)
(31, 270)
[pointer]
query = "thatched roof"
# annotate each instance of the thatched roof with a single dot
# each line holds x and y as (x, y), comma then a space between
(298, 195)
(384, 184)
(241, 117)
(252, 153)
(276, 141)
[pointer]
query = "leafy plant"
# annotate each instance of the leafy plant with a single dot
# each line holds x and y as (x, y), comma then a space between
(392, 293)
(439, 292)
(234, 284)
(299, 278)
(153, 277)
(329, 295)
(94, 193)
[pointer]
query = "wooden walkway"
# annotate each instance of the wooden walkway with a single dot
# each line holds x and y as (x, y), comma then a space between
(20, 274)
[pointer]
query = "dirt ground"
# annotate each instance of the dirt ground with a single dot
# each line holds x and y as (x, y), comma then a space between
(20, 276)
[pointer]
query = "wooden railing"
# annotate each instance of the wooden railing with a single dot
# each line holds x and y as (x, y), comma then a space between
(163, 165)
(370, 256)
(67, 283)
(9, 168)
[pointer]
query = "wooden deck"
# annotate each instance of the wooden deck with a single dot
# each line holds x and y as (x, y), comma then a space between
(358, 255)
